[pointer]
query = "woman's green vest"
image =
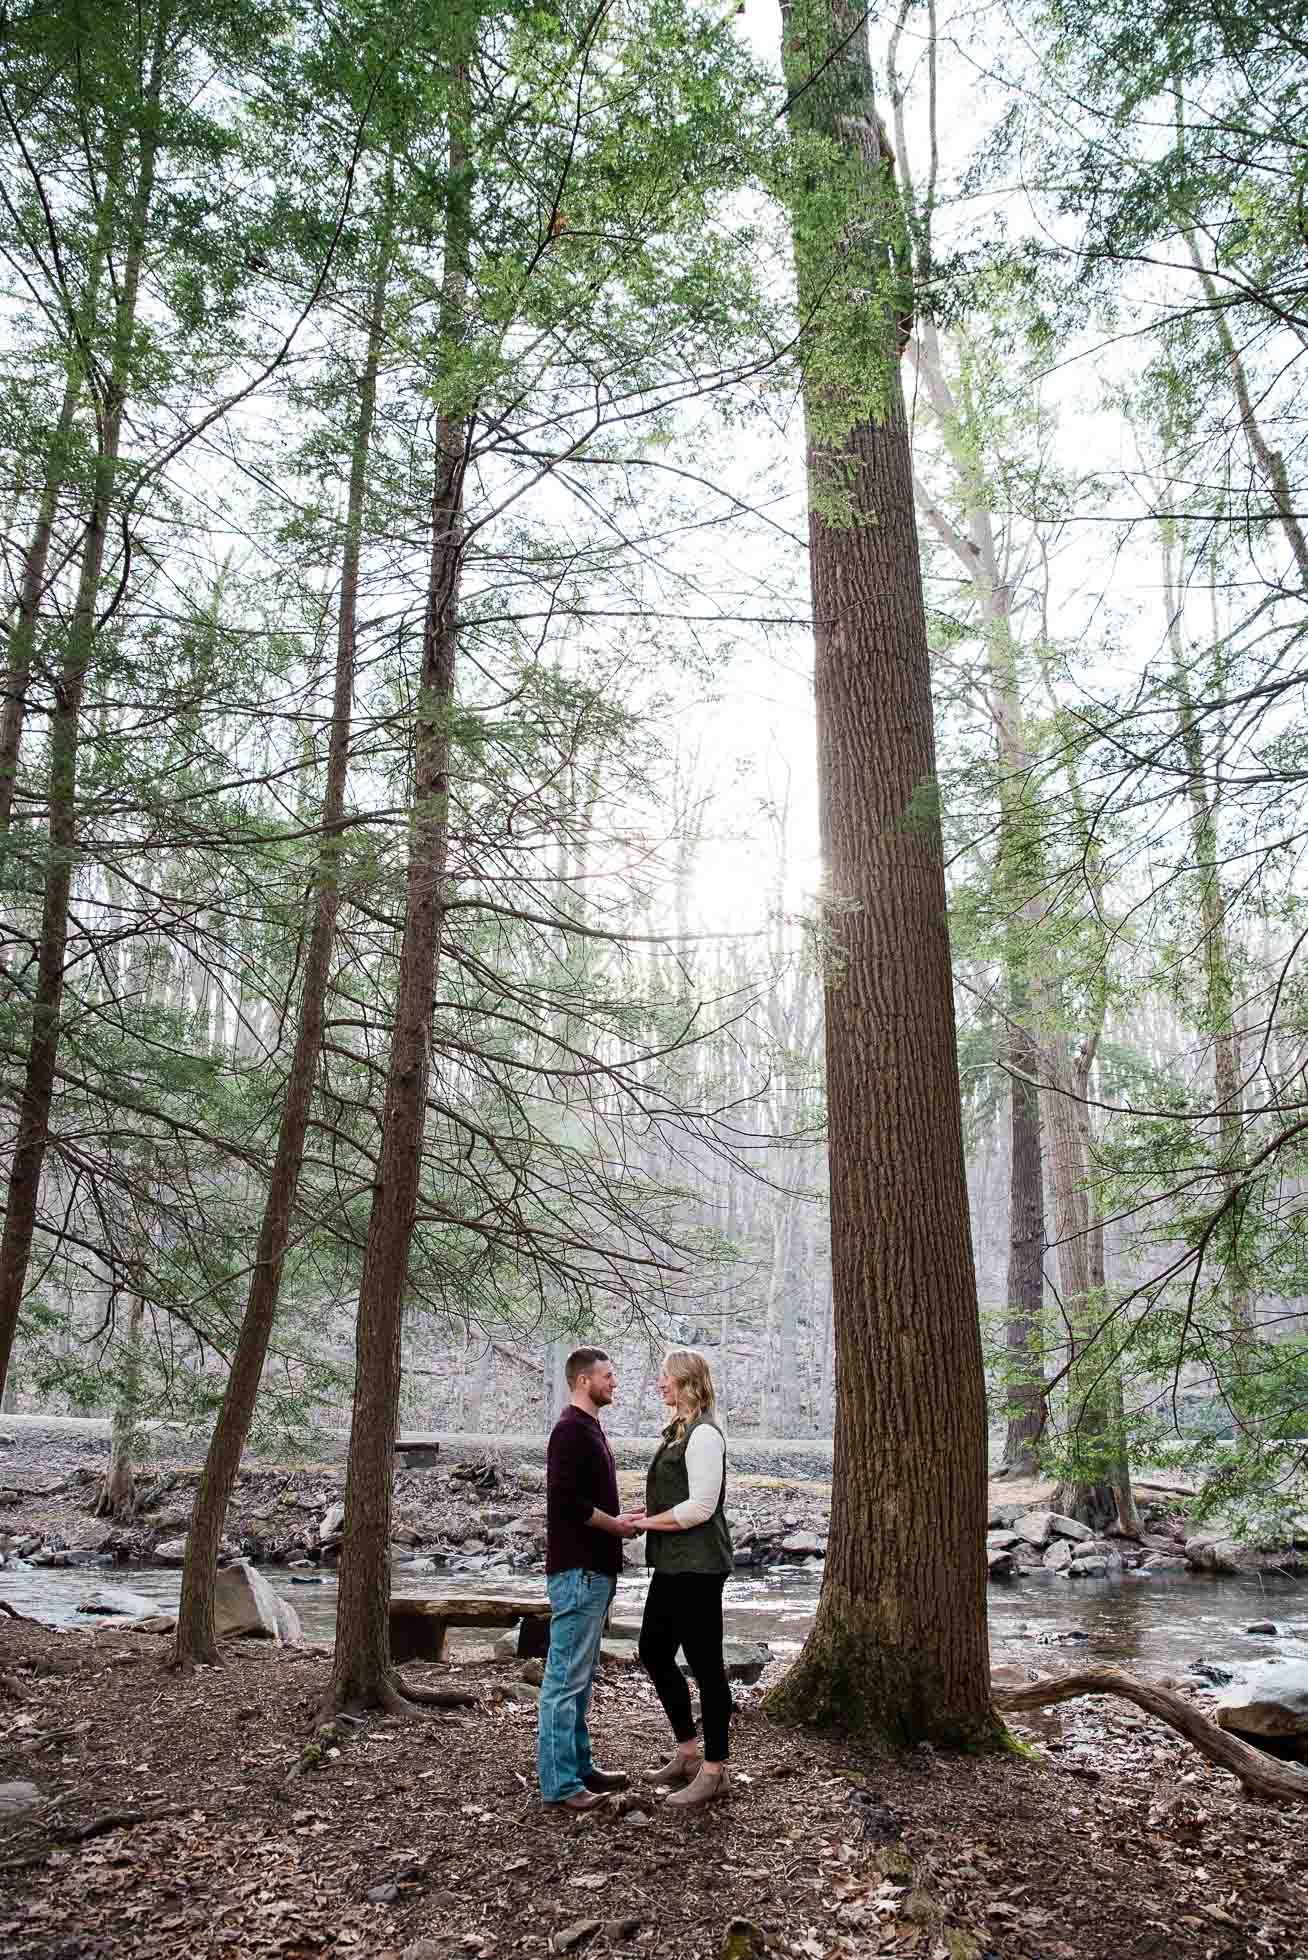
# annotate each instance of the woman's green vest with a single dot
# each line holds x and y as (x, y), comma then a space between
(705, 1547)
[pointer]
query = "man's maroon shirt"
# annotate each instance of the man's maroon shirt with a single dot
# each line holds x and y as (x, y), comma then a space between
(580, 1477)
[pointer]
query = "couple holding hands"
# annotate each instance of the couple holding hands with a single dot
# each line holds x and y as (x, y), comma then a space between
(688, 1549)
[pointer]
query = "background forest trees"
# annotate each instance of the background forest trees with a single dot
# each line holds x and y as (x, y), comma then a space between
(297, 379)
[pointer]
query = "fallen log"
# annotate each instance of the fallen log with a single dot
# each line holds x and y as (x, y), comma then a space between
(1258, 1772)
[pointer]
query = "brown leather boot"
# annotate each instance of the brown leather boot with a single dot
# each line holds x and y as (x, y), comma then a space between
(581, 1800)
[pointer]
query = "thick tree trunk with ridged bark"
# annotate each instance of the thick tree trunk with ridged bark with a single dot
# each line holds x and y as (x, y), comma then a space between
(898, 1651)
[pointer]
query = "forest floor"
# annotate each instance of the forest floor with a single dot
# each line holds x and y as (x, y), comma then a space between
(1110, 1840)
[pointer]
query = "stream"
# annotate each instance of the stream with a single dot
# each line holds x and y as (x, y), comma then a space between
(1154, 1626)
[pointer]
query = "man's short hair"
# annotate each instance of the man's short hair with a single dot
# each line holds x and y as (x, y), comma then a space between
(580, 1362)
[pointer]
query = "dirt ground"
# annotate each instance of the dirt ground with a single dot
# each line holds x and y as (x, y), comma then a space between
(1112, 1841)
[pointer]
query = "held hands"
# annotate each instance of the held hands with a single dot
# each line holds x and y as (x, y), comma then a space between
(630, 1524)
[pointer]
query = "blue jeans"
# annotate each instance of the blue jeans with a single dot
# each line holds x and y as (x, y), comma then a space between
(579, 1602)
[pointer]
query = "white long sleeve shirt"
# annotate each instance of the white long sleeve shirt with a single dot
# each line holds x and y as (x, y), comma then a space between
(705, 1455)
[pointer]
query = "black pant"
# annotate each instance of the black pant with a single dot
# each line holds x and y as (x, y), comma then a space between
(684, 1609)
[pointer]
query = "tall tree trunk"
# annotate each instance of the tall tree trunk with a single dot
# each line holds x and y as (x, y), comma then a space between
(974, 546)
(898, 1650)
(36, 559)
(22, 635)
(1025, 1291)
(196, 1638)
(1219, 988)
(1097, 1490)
(117, 1495)
(33, 1130)
(362, 1670)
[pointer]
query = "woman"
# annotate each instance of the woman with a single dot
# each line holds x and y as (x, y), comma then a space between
(688, 1548)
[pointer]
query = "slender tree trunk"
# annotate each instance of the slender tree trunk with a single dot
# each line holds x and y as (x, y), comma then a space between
(117, 1497)
(36, 559)
(196, 1638)
(898, 1650)
(776, 1358)
(32, 1136)
(362, 1671)
(1270, 462)
(1219, 988)
(22, 634)
(1097, 1490)
(1026, 1260)
(973, 544)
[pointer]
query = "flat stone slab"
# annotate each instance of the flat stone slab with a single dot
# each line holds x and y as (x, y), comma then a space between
(118, 1602)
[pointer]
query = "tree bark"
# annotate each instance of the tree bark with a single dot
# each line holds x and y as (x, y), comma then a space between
(898, 1650)
(1025, 1291)
(1097, 1490)
(196, 1638)
(33, 1129)
(36, 559)
(117, 1496)
(1219, 989)
(362, 1673)
(974, 546)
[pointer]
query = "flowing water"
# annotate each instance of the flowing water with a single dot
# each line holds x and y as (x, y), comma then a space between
(1156, 1626)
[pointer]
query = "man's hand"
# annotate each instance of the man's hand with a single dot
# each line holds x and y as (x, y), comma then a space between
(631, 1524)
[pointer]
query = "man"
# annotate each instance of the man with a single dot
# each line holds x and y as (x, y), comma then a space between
(583, 1557)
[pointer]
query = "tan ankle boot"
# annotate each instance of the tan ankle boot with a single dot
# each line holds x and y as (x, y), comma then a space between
(680, 1769)
(708, 1787)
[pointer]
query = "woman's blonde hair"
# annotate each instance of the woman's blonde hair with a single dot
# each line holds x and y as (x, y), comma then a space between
(690, 1371)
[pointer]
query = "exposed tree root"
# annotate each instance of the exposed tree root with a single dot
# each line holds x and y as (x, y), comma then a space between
(14, 1614)
(178, 1663)
(436, 1697)
(1258, 1772)
(108, 1820)
(395, 1699)
(394, 1696)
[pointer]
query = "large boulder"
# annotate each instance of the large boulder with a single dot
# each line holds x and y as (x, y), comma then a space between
(1207, 1553)
(19, 1800)
(1215, 1552)
(244, 1603)
(170, 1551)
(1270, 1700)
(1000, 1563)
(1002, 1517)
(176, 1518)
(333, 1521)
(803, 1544)
(1058, 1556)
(1069, 1528)
(111, 1602)
(1035, 1528)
